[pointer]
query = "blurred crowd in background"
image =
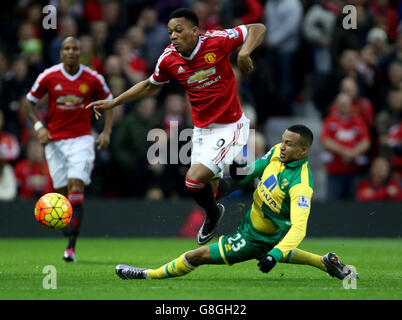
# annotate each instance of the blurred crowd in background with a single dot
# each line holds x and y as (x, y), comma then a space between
(310, 65)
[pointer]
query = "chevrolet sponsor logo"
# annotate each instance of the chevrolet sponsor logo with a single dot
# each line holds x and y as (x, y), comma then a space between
(69, 99)
(201, 76)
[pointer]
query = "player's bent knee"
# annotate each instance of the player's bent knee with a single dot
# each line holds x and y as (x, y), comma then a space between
(199, 256)
(199, 172)
(192, 258)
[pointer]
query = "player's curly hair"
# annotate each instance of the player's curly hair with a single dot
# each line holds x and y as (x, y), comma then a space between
(185, 13)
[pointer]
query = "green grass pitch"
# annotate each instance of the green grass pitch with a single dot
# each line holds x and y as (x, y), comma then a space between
(92, 277)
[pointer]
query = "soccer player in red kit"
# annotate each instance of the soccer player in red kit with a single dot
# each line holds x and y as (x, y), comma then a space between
(200, 63)
(68, 140)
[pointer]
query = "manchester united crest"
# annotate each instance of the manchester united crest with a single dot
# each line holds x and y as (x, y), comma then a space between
(210, 57)
(83, 88)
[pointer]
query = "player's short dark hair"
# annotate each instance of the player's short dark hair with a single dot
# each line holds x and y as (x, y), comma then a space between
(185, 13)
(71, 38)
(306, 135)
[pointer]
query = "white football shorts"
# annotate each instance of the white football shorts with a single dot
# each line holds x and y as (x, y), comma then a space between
(71, 159)
(217, 145)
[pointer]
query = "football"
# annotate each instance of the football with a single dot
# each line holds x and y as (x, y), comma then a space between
(53, 211)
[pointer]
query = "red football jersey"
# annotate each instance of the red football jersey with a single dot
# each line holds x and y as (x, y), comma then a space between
(68, 95)
(206, 75)
(347, 133)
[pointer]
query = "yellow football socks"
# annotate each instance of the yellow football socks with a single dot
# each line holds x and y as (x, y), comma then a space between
(298, 256)
(176, 268)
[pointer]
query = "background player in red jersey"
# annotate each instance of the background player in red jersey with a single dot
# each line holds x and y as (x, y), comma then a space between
(200, 63)
(68, 141)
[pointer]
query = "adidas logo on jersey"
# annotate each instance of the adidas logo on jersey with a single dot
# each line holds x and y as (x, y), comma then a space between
(58, 87)
(180, 70)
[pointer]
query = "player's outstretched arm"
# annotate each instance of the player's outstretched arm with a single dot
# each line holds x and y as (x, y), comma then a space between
(140, 90)
(255, 36)
(300, 204)
(244, 174)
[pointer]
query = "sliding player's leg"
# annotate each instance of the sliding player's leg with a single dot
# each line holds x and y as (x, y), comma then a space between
(178, 267)
(329, 263)
(298, 256)
(229, 249)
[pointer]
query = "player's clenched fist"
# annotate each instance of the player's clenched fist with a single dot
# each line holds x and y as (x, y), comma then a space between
(100, 105)
(245, 63)
(103, 140)
(44, 136)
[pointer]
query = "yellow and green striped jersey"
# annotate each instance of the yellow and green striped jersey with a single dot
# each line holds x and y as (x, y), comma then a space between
(282, 199)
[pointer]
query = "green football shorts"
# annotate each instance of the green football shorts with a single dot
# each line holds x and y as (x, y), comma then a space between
(247, 243)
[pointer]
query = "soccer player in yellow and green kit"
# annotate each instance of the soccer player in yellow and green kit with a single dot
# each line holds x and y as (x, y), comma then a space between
(275, 224)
